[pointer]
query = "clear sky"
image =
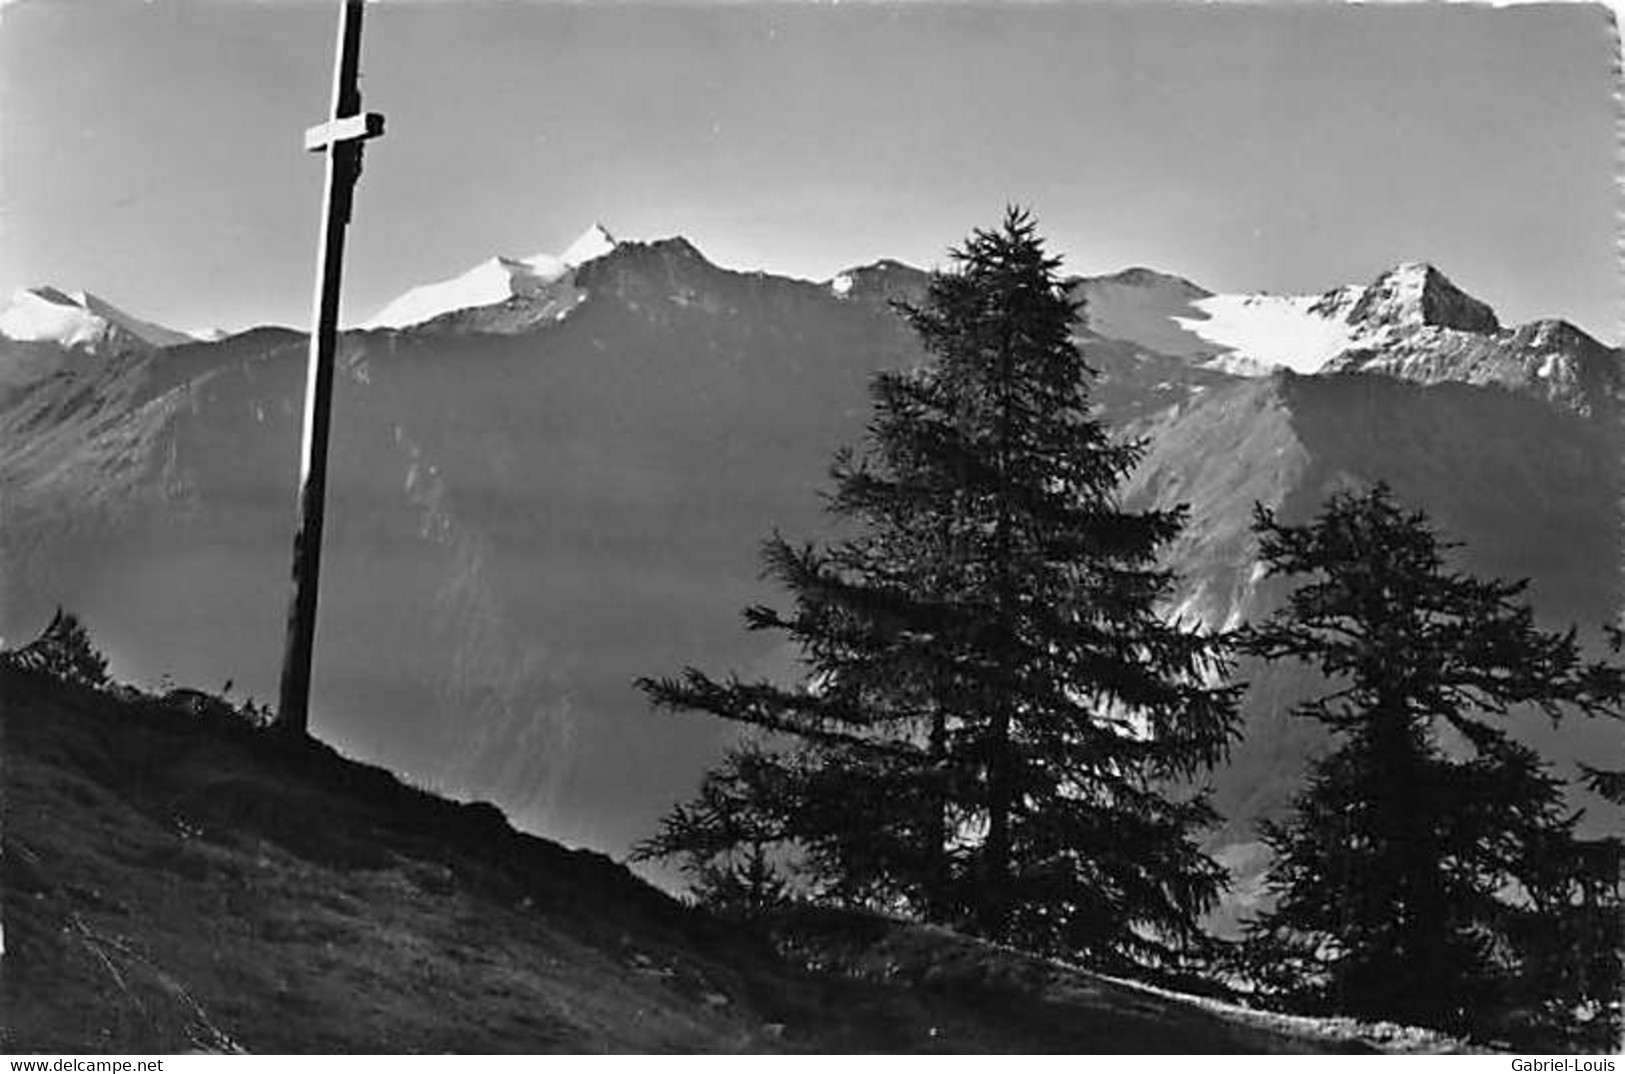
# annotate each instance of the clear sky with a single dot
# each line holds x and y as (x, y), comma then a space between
(151, 152)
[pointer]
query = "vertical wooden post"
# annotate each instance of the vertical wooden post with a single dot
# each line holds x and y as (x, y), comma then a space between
(340, 139)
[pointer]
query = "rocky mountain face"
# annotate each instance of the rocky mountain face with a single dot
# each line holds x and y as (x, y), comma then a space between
(1548, 359)
(541, 496)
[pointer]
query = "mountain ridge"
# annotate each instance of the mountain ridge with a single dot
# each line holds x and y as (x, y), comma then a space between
(1409, 310)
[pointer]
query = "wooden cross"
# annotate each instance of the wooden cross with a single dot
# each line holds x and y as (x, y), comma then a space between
(341, 139)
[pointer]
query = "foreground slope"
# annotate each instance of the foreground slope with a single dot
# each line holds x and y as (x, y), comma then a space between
(174, 881)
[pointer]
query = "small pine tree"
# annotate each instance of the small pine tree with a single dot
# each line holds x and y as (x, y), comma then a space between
(994, 706)
(1430, 870)
(63, 650)
(747, 885)
(723, 839)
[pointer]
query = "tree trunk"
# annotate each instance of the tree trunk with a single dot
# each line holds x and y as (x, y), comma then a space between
(995, 909)
(1000, 789)
(938, 904)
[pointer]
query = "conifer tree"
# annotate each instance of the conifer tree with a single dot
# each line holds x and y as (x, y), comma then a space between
(1430, 872)
(994, 709)
(64, 650)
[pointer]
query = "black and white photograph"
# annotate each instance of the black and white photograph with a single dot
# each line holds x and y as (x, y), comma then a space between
(747, 526)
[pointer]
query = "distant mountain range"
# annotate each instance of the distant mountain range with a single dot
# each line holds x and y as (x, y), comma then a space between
(1411, 321)
(551, 476)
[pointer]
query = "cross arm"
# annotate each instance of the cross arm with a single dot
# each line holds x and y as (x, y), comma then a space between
(346, 129)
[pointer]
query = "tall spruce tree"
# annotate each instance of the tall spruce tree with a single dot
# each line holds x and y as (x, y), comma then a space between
(1430, 871)
(994, 711)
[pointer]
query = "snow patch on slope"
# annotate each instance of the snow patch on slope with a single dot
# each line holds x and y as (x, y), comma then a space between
(593, 243)
(490, 282)
(1252, 334)
(1246, 334)
(1256, 333)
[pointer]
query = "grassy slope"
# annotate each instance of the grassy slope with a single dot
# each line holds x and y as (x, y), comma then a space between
(175, 883)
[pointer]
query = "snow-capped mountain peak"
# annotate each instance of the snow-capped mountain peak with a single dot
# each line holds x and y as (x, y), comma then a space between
(1413, 294)
(80, 320)
(492, 281)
